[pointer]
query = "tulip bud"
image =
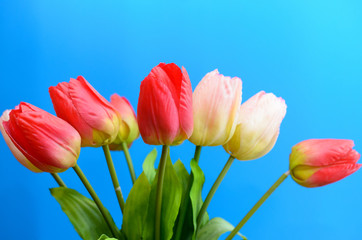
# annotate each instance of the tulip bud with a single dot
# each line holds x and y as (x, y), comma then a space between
(165, 106)
(78, 103)
(258, 126)
(318, 162)
(128, 130)
(216, 101)
(40, 141)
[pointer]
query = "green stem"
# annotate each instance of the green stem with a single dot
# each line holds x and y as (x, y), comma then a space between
(161, 174)
(58, 179)
(197, 153)
(96, 199)
(257, 205)
(129, 161)
(185, 201)
(213, 189)
(114, 177)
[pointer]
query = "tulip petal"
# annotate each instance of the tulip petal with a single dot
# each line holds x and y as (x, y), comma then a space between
(318, 162)
(14, 148)
(17, 137)
(39, 140)
(128, 130)
(185, 107)
(65, 109)
(122, 105)
(258, 126)
(331, 174)
(157, 113)
(87, 101)
(179, 85)
(216, 102)
(328, 151)
(51, 140)
(164, 106)
(173, 80)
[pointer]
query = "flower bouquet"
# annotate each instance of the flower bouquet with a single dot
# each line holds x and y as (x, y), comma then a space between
(164, 202)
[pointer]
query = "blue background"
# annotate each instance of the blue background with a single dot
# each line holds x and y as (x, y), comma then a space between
(309, 52)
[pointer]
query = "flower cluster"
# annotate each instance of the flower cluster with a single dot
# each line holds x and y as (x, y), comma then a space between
(168, 113)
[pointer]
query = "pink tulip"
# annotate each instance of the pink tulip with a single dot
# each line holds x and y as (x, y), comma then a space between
(258, 126)
(128, 130)
(78, 103)
(165, 106)
(318, 162)
(216, 101)
(40, 141)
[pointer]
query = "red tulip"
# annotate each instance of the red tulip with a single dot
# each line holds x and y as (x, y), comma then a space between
(128, 129)
(78, 103)
(318, 162)
(165, 106)
(40, 141)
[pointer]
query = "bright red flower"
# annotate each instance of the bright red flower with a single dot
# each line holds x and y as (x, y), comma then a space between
(78, 103)
(40, 141)
(318, 162)
(165, 106)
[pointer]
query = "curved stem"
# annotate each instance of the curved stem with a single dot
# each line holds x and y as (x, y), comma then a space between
(185, 201)
(96, 199)
(257, 205)
(213, 189)
(129, 161)
(161, 174)
(114, 177)
(58, 179)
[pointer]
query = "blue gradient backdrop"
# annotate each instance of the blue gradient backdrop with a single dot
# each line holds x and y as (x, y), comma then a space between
(309, 52)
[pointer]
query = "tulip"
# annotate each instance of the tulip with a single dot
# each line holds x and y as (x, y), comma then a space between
(165, 106)
(40, 141)
(78, 103)
(216, 101)
(128, 130)
(258, 126)
(318, 162)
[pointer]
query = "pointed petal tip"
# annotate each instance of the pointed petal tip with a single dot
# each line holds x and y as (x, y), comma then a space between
(115, 98)
(115, 95)
(80, 77)
(5, 116)
(184, 70)
(355, 156)
(216, 71)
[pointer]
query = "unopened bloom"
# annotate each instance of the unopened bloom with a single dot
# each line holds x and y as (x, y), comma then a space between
(165, 106)
(40, 141)
(318, 162)
(78, 103)
(258, 126)
(216, 101)
(128, 130)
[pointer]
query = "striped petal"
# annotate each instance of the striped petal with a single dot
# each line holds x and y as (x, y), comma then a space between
(216, 101)
(157, 112)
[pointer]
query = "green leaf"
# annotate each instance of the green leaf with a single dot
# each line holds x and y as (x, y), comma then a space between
(188, 227)
(171, 199)
(182, 174)
(82, 212)
(195, 194)
(149, 166)
(214, 229)
(105, 237)
(136, 206)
